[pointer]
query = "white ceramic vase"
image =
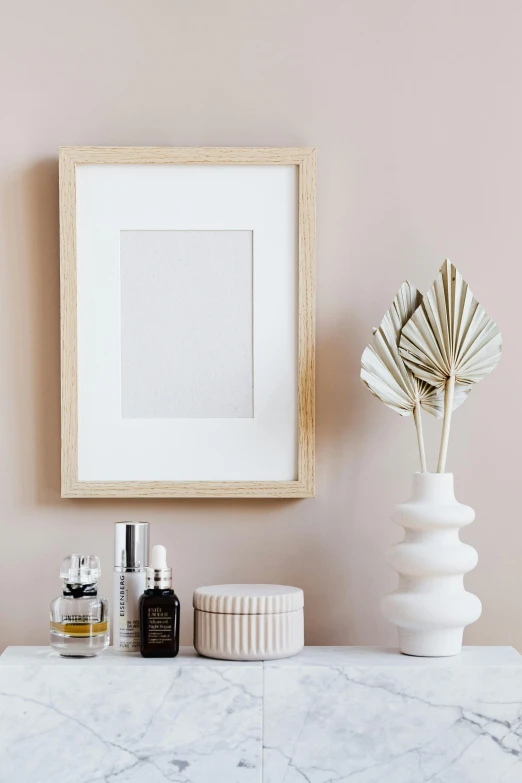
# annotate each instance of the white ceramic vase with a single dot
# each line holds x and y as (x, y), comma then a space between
(430, 606)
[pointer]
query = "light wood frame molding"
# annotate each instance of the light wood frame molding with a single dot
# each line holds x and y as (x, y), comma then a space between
(305, 160)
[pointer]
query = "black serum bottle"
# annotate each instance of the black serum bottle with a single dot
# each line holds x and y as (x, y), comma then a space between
(159, 610)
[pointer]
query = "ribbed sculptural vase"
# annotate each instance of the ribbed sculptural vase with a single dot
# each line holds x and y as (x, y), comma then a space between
(430, 607)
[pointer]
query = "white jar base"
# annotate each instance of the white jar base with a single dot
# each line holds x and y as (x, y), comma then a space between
(430, 644)
(248, 637)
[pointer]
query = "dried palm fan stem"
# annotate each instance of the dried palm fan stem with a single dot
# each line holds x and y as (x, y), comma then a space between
(420, 436)
(448, 410)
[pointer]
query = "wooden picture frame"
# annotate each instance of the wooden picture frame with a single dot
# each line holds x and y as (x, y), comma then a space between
(70, 161)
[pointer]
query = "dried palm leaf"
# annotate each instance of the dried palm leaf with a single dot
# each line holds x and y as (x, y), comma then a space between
(388, 378)
(449, 340)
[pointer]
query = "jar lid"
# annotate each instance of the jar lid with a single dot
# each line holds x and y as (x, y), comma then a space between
(248, 599)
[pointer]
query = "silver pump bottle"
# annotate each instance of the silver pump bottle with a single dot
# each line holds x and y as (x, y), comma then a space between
(131, 558)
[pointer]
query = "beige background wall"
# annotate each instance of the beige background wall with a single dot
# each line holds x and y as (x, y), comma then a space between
(415, 108)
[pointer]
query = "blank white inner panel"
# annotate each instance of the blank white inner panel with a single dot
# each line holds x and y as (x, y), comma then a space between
(141, 420)
(186, 324)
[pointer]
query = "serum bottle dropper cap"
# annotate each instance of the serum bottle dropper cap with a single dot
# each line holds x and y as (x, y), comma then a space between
(159, 575)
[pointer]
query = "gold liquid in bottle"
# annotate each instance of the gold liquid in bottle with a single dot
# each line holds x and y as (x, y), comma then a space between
(80, 629)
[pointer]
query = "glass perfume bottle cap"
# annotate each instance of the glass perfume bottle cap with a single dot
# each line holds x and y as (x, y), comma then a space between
(80, 569)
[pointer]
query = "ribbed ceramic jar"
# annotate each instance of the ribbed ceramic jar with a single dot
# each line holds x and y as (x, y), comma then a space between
(248, 622)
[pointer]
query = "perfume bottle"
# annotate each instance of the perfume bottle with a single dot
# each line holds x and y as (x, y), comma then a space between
(159, 610)
(131, 557)
(79, 617)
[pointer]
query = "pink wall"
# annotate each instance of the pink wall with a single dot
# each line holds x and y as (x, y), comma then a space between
(415, 110)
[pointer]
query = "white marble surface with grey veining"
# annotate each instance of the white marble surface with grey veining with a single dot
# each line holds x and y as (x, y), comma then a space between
(327, 715)
(121, 719)
(337, 715)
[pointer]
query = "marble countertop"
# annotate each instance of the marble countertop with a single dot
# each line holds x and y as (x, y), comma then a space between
(310, 656)
(357, 714)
